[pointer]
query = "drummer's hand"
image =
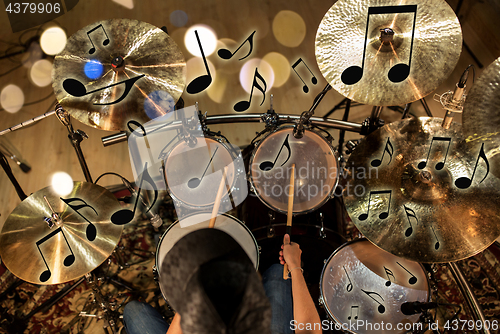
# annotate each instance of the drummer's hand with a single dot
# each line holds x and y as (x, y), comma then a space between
(290, 253)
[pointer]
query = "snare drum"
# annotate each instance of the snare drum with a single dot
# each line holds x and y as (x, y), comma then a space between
(316, 170)
(361, 282)
(224, 222)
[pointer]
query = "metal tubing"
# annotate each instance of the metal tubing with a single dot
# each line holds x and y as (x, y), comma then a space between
(470, 298)
(342, 132)
(26, 123)
(406, 110)
(76, 144)
(426, 107)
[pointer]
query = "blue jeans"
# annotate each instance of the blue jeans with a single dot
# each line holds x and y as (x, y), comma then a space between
(141, 318)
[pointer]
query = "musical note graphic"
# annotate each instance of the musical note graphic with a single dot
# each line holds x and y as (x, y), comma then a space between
(357, 313)
(144, 135)
(389, 149)
(105, 42)
(464, 182)
(398, 72)
(195, 182)
(125, 216)
(76, 88)
(91, 230)
(244, 105)
(389, 273)
(437, 244)
(68, 261)
(382, 215)
(381, 308)
(200, 83)
(413, 279)
(268, 165)
(305, 88)
(410, 214)
(439, 165)
(349, 286)
(226, 54)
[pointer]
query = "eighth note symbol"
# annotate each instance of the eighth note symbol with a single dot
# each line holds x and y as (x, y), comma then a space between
(268, 165)
(464, 182)
(105, 42)
(226, 54)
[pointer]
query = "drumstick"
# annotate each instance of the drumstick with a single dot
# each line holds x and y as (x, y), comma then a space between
(289, 214)
(218, 198)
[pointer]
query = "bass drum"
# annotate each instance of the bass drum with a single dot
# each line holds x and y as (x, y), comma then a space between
(362, 284)
(229, 224)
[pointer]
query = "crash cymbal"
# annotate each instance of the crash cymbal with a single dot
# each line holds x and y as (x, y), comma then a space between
(481, 119)
(114, 71)
(424, 39)
(416, 191)
(78, 242)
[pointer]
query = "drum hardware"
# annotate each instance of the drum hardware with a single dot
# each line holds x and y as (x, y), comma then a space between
(406, 111)
(12, 178)
(272, 218)
(350, 146)
(10, 151)
(342, 132)
(298, 130)
(27, 123)
(322, 233)
(271, 118)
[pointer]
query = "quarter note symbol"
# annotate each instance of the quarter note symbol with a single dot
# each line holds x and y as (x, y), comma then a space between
(349, 286)
(389, 273)
(91, 230)
(268, 165)
(200, 83)
(437, 244)
(226, 54)
(464, 182)
(382, 215)
(125, 216)
(389, 149)
(413, 279)
(105, 42)
(357, 313)
(439, 165)
(410, 214)
(195, 182)
(68, 261)
(313, 79)
(76, 88)
(381, 308)
(398, 72)
(244, 105)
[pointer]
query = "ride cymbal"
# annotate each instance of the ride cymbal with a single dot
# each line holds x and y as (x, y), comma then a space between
(386, 52)
(481, 119)
(420, 192)
(79, 241)
(114, 71)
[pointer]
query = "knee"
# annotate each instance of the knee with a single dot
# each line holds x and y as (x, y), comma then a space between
(273, 273)
(132, 309)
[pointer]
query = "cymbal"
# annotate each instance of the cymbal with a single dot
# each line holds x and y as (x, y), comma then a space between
(481, 120)
(414, 189)
(427, 37)
(79, 242)
(114, 71)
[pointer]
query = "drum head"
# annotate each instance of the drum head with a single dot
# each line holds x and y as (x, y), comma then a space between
(362, 282)
(315, 170)
(185, 163)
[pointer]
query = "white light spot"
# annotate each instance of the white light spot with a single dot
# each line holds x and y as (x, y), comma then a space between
(53, 40)
(62, 183)
(208, 40)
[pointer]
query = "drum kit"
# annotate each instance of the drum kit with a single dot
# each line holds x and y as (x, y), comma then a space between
(419, 191)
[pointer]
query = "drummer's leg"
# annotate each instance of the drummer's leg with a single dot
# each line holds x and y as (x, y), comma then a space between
(141, 318)
(279, 292)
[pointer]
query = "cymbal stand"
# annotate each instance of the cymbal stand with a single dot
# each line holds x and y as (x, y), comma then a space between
(12, 178)
(75, 137)
(342, 132)
(406, 110)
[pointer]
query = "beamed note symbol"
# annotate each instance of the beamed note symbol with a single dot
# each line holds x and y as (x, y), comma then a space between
(68, 260)
(105, 42)
(91, 231)
(382, 215)
(439, 165)
(398, 72)
(314, 81)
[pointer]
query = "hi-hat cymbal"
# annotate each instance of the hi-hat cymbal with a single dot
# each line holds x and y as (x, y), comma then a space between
(417, 192)
(82, 238)
(481, 119)
(114, 71)
(426, 36)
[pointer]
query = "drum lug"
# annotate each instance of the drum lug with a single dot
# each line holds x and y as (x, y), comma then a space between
(260, 250)
(320, 301)
(322, 233)
(155, 274)
(270, 230)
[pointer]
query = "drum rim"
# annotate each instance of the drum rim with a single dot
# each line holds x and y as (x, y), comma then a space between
(317, 206)
(321, 294)
(157, 265)
(225, 197)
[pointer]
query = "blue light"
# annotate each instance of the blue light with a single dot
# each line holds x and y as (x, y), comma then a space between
(178, 18)
(159, 103)
(93, 69)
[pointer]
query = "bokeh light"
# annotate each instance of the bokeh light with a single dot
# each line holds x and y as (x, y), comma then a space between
(53, 40)
(248, 71)
(217, 89)
(33, 54)
(178, 18)
(289, 28)
(208, 40)
(125, 3)
(93, 69)
(159, 103)
(280, 66)
(41, 73)
(12, 98)
(62, 183)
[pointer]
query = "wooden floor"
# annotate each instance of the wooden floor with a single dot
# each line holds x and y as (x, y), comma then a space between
(45, 145)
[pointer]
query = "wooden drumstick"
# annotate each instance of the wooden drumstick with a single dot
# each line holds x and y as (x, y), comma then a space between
(289, 214)
(218, 198)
